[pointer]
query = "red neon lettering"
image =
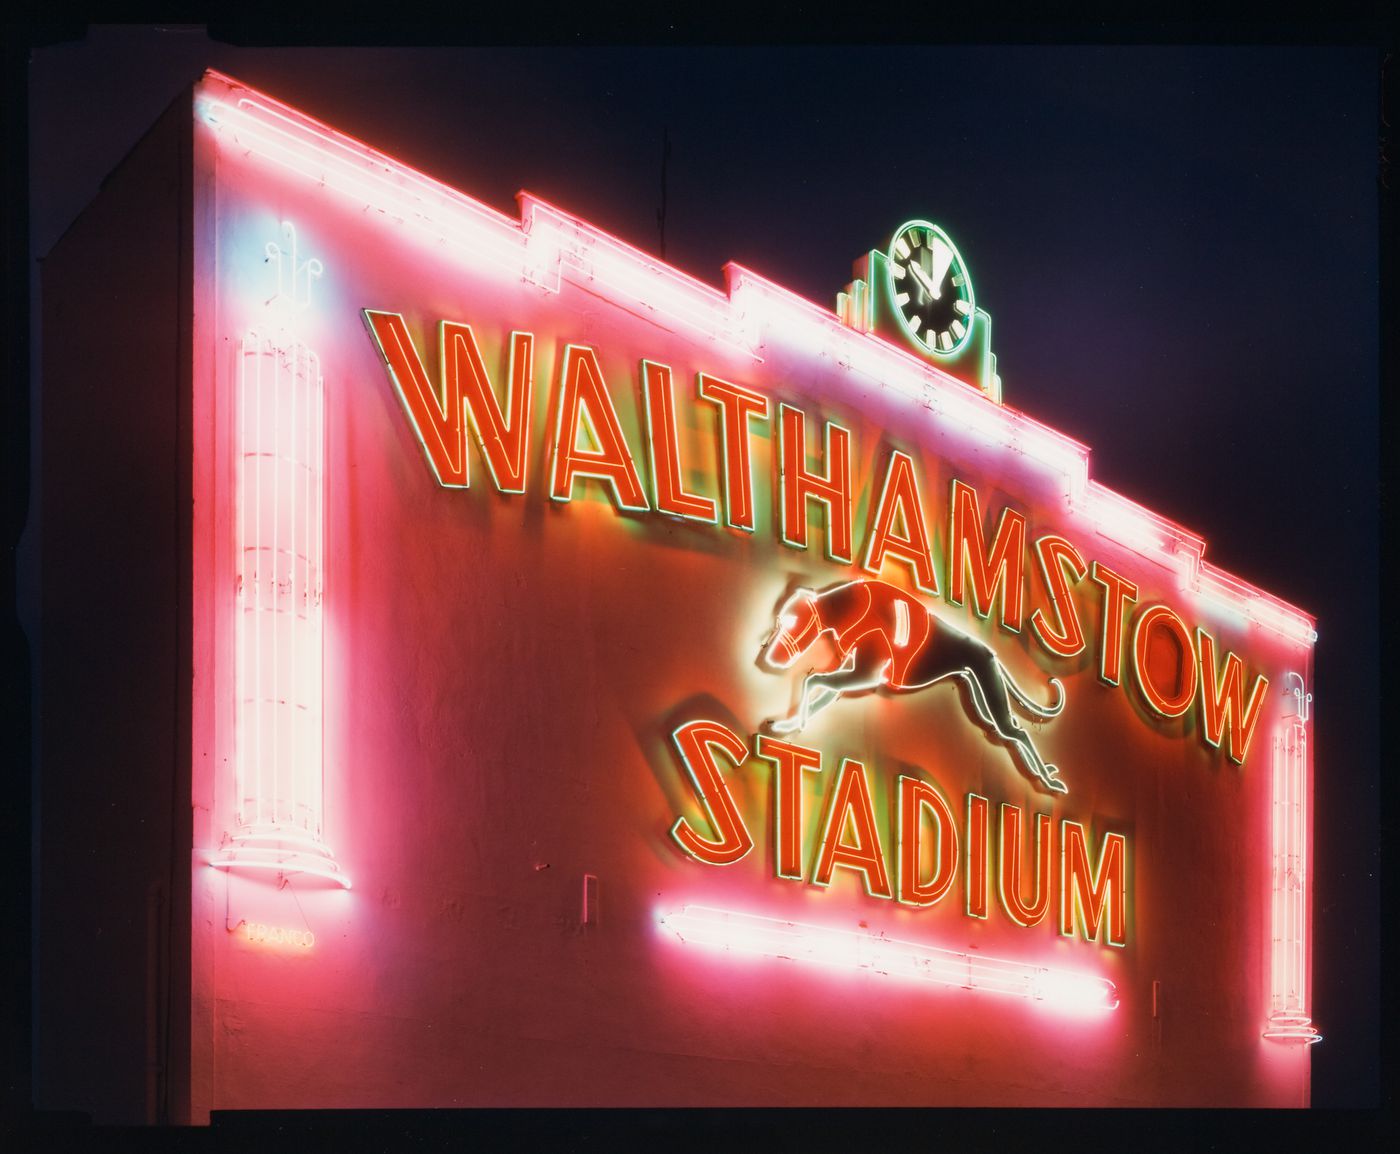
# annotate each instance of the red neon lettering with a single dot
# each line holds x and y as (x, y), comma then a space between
(1159, 617)
(1222, 702)
(799, 484)
(899, 500)
(738, 406)
(917, 798)
(977, 822)
(436, 414)
(1009, 876)
(791, 760)
(584, 401)
(1000, 572)
(852, 799)
(668, 485)
(732, 842)
(1065, 637)
(436, 417)
(1118, 591)
(505, 444)
(1089, 890)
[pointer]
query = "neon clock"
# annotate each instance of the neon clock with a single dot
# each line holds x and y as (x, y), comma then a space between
(930, 288)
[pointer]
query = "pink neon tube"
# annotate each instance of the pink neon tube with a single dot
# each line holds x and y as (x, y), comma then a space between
(1288, 1020)
(279, 786)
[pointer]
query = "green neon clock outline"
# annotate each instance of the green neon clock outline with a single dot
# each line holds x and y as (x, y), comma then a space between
(894, 287)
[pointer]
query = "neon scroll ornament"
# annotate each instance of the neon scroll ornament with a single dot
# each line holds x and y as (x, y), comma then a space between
(279, 785)
(1288, 1020)
(744, 933)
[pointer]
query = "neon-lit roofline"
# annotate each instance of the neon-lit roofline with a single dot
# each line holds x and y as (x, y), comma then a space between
(547, 245)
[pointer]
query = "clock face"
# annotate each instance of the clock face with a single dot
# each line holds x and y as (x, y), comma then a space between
(930, 288)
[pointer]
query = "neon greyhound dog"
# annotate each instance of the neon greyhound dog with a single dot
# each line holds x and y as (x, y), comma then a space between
(889, 639)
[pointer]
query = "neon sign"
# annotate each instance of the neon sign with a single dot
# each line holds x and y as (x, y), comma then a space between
(789, 447)
(886, 639)
(1085, 892)
(588, 443)
(546, 244)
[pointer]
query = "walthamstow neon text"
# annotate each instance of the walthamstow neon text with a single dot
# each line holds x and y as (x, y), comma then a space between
(992, 569)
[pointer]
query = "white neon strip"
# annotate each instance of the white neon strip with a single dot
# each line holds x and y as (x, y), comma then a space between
(280, 516)
(1159, 539)
(1289, 1020)
(845, 949)
(1062, 454)
(408, 199)
(971, 411)
(641, 282)
(1124, 521)
(1277, 615)
(771, 312)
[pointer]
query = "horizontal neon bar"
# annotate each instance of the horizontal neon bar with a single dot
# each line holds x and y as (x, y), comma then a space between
(293, 863)
(846, 949)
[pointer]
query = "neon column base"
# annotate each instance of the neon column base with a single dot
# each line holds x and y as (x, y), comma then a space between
(282, 849)
(1297, 1028)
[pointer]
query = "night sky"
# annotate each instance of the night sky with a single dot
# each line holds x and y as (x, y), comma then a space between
(1178, 246)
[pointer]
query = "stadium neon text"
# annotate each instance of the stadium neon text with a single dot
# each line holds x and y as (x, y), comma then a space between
(1041, 870)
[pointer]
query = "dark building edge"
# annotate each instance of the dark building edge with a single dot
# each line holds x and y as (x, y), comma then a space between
(112, 658)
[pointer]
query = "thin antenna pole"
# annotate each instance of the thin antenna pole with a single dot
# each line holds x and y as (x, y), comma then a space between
(665, 161)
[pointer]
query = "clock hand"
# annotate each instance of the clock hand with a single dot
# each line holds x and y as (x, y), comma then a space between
(923, 279)
(942, 259)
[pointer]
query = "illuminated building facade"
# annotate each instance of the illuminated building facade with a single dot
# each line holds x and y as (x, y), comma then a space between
(546, 679)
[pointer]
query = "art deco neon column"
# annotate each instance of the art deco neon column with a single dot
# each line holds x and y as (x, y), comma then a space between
(279, 783)
(1288, 1020)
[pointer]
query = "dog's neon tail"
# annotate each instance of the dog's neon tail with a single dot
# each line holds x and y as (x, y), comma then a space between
(1034, 707)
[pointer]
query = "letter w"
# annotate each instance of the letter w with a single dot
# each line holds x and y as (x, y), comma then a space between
(437, 413)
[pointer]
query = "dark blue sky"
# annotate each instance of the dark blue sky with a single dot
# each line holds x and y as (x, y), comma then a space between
(1178, 247)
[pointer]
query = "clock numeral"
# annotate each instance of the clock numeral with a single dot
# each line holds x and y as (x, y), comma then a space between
(959, 280)
(961, 306)
(901, 299)
(901, 246)
(957, 328)
(899, 271)
(914, 322)
(945, 342)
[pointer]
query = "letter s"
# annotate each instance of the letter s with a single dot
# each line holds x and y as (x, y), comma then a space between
(696, 740)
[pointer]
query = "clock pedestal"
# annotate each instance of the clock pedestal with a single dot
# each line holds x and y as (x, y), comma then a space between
(865, 307)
